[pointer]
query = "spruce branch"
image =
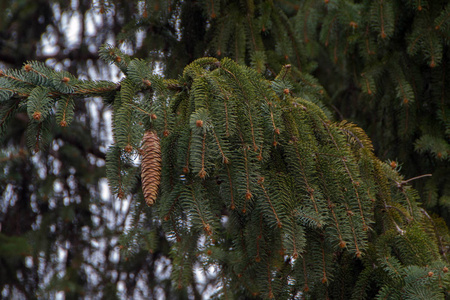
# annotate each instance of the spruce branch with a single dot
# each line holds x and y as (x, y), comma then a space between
(322, 190)
(444, 249)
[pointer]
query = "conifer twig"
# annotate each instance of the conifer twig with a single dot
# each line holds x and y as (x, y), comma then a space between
(417, 177)
(399, 210)
(403, 182)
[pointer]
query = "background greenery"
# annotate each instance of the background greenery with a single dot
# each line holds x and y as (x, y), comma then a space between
(381, 64)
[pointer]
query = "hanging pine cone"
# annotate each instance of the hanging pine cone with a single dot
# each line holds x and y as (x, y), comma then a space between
(150, 166)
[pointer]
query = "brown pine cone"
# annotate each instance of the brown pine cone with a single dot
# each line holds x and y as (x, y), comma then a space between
(150, 166)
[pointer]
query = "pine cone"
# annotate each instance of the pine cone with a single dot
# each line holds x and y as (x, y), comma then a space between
(150, 166)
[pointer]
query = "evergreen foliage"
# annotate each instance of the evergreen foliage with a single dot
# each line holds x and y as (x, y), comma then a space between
(255, 180)
(382, 64)
(59, 226)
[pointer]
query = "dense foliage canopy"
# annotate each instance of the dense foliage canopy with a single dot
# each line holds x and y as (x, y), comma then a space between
(257, 180)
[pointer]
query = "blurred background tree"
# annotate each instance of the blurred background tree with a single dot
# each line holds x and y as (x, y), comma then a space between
(59, 226)
(382, 64)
